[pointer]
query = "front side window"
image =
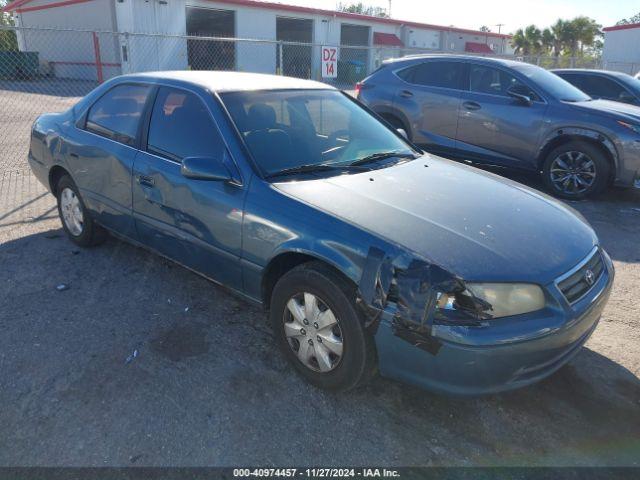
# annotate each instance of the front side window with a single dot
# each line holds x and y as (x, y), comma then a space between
(483, 79)
(575, 80)
(181, 126)
(117, 113)
(285, 129)
(435, 74)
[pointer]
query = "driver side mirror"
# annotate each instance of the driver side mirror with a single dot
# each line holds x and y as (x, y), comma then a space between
(403, 132)
(205, 168)
(521, 94)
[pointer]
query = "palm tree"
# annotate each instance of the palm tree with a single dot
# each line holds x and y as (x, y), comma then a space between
(585, 31)
(520, 43)
(534, 37)
(561, 33)
(548, 40)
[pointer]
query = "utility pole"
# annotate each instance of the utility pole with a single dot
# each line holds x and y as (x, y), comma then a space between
(499, 25)
(389, 12)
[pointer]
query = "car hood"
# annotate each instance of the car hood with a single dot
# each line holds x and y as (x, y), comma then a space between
(473, 223)
(618, 109)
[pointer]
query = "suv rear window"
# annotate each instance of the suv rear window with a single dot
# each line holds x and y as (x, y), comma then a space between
(435, 74)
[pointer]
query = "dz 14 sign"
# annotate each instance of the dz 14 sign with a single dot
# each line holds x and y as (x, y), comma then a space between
(329, 62)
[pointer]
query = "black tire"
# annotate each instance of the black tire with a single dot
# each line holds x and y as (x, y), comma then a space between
(92, 234)
(601, 169)
(357, 363)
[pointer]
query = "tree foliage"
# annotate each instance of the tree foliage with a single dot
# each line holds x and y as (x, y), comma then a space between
(570, 37)
(8, 40)
(484, 28)
(363, 9)
(630, 20)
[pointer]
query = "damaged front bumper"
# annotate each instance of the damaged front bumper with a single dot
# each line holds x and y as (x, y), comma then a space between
(502, 354)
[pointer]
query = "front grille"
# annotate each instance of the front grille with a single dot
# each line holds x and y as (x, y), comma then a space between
(576, 284)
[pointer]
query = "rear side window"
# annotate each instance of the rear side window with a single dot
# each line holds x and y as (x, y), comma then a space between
(435, 74)
(117, 113)
(601, 87)
(181, 126)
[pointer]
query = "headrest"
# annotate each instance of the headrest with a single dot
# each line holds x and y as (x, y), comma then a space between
(261, 116)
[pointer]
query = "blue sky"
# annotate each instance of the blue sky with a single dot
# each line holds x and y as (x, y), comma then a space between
(514, 14)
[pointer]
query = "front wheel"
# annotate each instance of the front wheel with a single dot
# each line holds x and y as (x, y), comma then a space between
(575, 170)
(316, 324)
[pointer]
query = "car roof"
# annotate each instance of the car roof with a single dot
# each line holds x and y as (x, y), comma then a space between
(218, 81)
(489, 60)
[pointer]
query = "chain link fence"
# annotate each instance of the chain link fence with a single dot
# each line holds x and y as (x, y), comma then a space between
(48, 70)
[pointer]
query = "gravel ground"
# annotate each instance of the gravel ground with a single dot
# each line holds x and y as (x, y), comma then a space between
(208, 388)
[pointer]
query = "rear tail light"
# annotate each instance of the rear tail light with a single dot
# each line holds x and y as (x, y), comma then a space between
(358, 88)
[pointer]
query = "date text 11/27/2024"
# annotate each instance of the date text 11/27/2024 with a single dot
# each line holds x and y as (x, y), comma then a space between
(316, 473)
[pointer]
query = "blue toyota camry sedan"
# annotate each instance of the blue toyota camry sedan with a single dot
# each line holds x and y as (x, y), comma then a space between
(369, 254)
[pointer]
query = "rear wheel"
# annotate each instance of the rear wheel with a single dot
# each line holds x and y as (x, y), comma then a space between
(575, 170)
(76, 221)
(317, 326)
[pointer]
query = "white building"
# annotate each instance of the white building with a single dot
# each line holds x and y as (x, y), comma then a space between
(621, 50)
(88, 55)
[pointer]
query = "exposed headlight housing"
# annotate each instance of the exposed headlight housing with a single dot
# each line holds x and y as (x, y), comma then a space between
(492, 300)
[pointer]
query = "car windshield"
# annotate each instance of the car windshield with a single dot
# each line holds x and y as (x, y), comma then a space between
(552, 84)
(298, 131)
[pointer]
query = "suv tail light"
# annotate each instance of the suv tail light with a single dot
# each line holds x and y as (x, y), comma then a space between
(358, 88)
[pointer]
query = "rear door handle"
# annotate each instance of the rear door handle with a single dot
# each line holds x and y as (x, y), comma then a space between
(406, 94)
(471, 105)
(74, 155)
(145, 181)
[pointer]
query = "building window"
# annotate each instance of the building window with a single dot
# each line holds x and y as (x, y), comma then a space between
(211, 54)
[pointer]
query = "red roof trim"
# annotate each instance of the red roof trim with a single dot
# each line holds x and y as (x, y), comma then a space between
(13, 5)
(290, 8)
(474, 47)
(387, 39)
(621, 27)
(51, 5)
(352, 16)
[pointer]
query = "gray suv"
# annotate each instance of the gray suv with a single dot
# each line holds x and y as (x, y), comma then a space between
(511, 114)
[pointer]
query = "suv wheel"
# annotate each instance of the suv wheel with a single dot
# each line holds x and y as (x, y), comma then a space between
(318, 328)
(575, 170)
(76, 221)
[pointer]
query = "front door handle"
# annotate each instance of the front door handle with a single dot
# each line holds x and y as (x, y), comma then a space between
(406, 94)
(145, 181)
(471, 105)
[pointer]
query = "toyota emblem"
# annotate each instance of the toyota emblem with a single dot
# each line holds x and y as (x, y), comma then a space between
(589, 277)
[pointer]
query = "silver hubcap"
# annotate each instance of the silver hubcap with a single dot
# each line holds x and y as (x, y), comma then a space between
(71, 212)
(313, 332)
(573, 172)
